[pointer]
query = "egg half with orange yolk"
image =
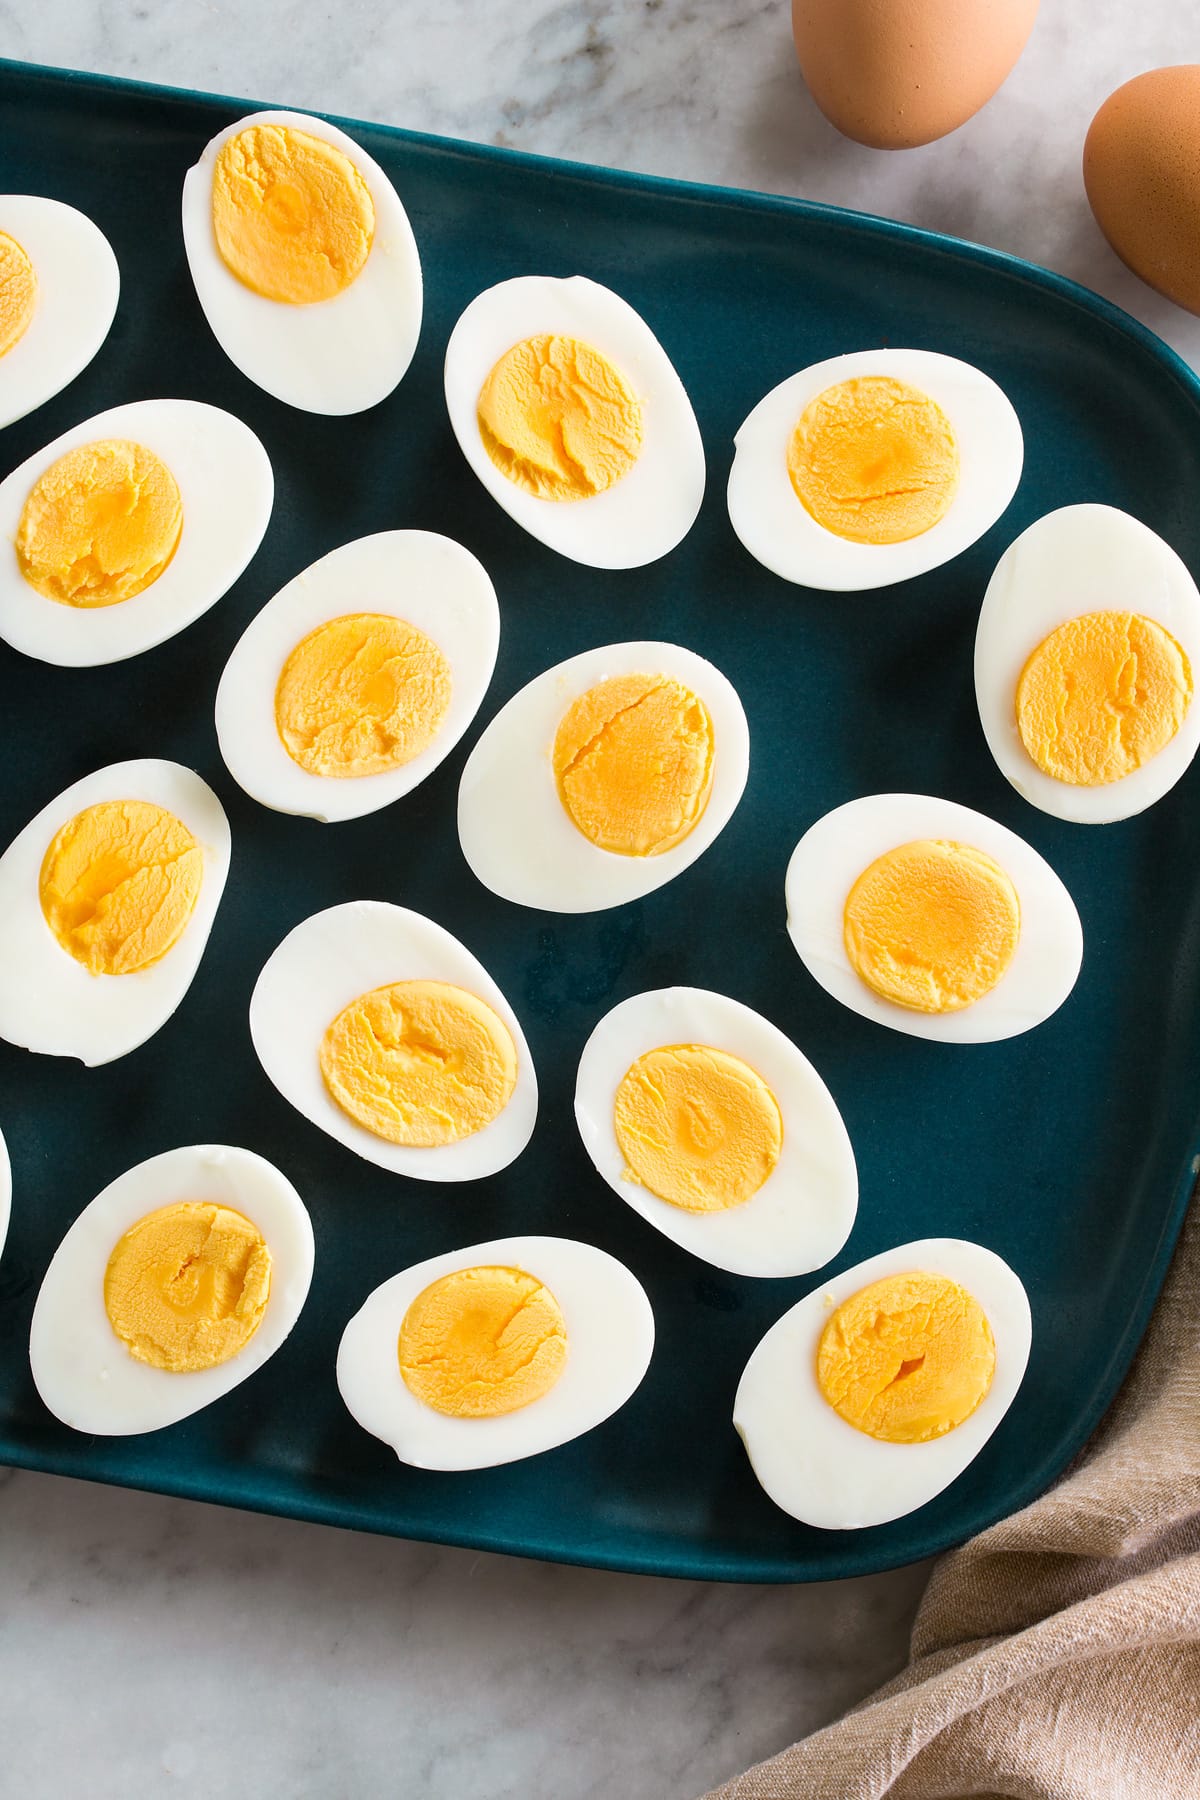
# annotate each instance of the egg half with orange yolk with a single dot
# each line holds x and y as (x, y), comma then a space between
(603, 778)
(108, 897)
(710, 1123)
(383, 1030)
(59, 284)
(495, 1352)
(304, 261)
(360, 676)
(1086, 659)
(932, 918)
(876, 1391)
(177, 1282)
(873, 467)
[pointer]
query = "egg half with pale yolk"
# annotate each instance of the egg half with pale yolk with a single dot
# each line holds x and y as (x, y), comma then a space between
(59, 285)
(603, 778)
(875, 1391)
(178, 1281)
(873, 467)
(495, 1352)
(1086, 659)
(710, 1123)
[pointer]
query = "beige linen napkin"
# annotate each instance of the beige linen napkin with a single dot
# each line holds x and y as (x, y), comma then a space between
(1057, 1655)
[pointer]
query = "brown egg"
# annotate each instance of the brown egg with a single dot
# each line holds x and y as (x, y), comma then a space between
(897, 73)
(1141, 168)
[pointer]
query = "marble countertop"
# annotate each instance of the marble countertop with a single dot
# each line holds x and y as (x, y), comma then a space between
(164, 1648)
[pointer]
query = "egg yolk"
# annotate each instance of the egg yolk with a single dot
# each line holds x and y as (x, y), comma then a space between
(18, 292)
(697, 1127)
(360, 695)
(481, 1342)
(874, 460)
(187, 1286)
(419, 1062)
(559, 420)
(932, 925)
(633, 759)
(118, 885)
(907, 1358)
(1102, 695)
(293, 218)
(100, 525)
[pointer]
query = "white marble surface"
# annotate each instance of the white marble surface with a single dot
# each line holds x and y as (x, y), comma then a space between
(155, 1647)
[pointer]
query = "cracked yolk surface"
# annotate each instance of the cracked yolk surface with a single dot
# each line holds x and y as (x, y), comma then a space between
(187, 1286)
(633, 759)
(100, 525)
(932, 925)
(419, 1062)
(482, 1341)
(18, 292)
(360, 695)
(697, 1126)
(907, 1358)
(293, 218)
(118, 885)
(1102, 695)
(874, 460)
(558, 419)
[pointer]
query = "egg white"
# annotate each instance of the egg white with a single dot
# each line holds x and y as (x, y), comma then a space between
(427, 580)
(48, 1001)
(78, 284)
(803, 1213)
(514, 830)
(333, 356)
(81, 1368)
(781, 534)
(650, 509)
(5, 1190)
(1081, 559)
(227, 489)
(833, 853)
(610, 1337)
(826, 1472)
(330, 959)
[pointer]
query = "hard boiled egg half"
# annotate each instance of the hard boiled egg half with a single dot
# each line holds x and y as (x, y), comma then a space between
(714, 1127)
(59, 284)
(178, 1281)
(569, 411)
(603, 778)
(495, 1352)
(931, 918)
(870, 468)
(304, 261)
(875, 1391)
(128, 527)
(5, 1190)
(1085, 660)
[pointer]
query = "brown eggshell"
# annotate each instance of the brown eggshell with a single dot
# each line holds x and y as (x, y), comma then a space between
(1141, 169)
(897, 73)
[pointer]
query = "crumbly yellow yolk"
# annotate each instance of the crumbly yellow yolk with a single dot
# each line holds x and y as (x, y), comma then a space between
(419, 1062)
(361, 694)
(118, 885)
(874, 460)
(18, 292)
(697, 1126)
(100, 525)
(293, 218)
(1102, 695)
(559, 420)
(482, 1341)
(907, 1358)
(932, 925)
(633, 759)
(187, 1286)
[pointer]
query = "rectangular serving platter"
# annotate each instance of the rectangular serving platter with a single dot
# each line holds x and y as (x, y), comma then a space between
(1069, 1151)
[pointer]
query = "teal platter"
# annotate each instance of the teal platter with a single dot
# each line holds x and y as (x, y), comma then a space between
(1069, 1150)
